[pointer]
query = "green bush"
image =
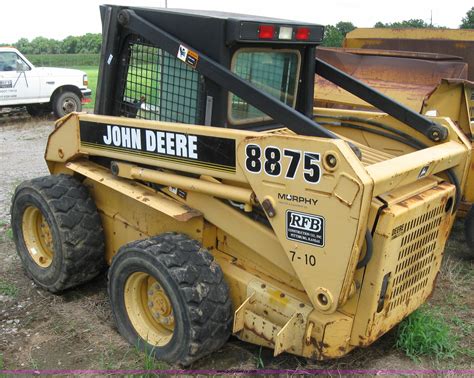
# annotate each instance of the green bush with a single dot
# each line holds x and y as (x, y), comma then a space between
(64, 60)
(426, 333)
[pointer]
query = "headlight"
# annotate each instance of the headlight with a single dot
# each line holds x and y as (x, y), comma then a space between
(85, 81)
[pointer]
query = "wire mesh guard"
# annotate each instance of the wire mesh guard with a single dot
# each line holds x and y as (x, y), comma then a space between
(158, 86)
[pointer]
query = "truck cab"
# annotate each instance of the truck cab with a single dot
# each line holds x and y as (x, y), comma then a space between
(40, 89)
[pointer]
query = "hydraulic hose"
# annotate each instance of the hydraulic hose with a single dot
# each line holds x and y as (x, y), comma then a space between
(369, 250)
(399, 137)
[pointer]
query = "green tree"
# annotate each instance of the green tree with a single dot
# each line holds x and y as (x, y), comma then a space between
(468, 21)
(42, 45)
(89, 43)
(345, 27)
(69, 45)
(412, 23)
(24, 45)
(334, 35)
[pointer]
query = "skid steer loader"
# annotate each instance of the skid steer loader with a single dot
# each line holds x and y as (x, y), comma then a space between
(223, 208)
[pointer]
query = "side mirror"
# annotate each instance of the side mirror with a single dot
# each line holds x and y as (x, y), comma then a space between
(21, 66)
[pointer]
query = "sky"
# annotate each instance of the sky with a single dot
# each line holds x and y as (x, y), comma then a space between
(59, 18)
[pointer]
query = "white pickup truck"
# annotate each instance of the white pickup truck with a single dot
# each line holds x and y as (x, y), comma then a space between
(40, 89)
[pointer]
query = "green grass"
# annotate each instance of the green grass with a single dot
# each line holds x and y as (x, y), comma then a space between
(259, 360)
(148, 361)
(7, 231)
(465, 327)
(426, 333)
(7, 288)
(133, 88)
(2, 363)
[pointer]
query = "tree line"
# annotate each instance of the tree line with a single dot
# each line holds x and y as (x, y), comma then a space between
(334, 34)
(89, 43)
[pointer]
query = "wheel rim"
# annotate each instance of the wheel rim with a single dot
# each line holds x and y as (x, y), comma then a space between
(149, 309)
(69, 105)
(38, 237)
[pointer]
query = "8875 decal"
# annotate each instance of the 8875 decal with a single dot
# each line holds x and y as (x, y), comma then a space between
(271, 159)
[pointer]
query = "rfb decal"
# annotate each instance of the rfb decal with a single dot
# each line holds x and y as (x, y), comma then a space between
(305, 228)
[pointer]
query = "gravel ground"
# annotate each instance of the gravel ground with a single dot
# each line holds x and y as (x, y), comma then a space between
(21, 155)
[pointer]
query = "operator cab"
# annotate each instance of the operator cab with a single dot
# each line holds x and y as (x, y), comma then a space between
(276, 56)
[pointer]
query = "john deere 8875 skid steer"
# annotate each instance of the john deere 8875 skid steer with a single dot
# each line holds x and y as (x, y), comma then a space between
(223, 208)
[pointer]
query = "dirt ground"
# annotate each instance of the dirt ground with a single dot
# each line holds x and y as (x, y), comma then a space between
(39, 330)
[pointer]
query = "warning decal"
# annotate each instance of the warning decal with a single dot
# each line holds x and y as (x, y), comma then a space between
(187, 56)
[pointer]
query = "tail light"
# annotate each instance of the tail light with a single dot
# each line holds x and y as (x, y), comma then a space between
(302, 34)
(266, 31)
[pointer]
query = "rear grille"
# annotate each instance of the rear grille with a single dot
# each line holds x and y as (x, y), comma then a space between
(409, 239)
(415, 257)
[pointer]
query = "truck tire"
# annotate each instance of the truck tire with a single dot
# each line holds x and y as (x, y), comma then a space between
(65, 103)
(38, 110)
(469, 229)
(57, 232)
(169, 298)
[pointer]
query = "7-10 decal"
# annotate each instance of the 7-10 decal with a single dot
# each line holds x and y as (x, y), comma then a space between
(270, 161)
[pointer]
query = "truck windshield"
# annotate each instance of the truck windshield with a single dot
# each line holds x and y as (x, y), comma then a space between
(273, 71)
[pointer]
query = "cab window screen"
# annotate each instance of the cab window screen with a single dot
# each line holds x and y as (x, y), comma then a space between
(274, 72)
(158, 86)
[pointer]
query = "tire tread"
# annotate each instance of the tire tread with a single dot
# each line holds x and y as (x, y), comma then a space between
(79, 225)
(201, 281)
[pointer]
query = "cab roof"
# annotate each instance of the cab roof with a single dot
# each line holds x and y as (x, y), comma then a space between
(227, 15)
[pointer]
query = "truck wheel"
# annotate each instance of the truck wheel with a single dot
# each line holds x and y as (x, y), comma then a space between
(469, 228)
(38, 110)
(65, 103)
(57, 232)
(169, 298)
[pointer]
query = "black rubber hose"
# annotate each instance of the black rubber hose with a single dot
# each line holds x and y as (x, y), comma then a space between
(369, 250)
(412, 142)
(373, 131)
(372, 123)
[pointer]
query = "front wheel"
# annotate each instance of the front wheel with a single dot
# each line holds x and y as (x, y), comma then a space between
(65, 103)
(169, 298)
(58, 232)
(469, 229)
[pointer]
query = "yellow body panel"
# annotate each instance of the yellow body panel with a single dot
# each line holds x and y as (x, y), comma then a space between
(289, 250)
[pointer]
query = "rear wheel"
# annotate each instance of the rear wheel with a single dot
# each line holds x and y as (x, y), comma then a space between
(469, 229)
(169, 298)
(65, 103)
(57, 232)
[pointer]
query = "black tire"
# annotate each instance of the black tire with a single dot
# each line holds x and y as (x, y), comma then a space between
(469, 229)
(65, 103)
(195, 285)
(76, 241)
(38, 110)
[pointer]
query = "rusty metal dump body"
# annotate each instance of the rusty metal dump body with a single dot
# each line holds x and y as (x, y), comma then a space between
(405, 76)
(459, 42)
